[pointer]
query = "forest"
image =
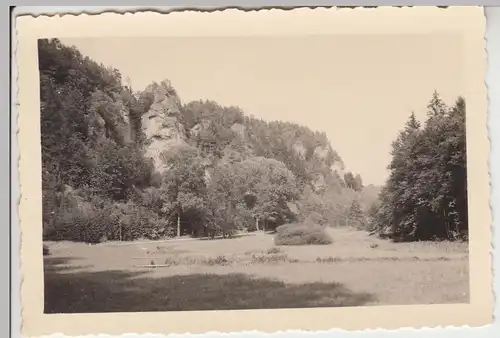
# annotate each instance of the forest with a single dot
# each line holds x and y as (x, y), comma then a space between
(119, 164)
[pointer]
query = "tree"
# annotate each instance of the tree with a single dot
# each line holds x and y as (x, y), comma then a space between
(425, 196)
(183, 187)
(355, 216)
(115, 171)
(313, 208)
(353, 182)
(443, 201)
(358, 183)
(402, 183)
(349, 180)
(273, 185)
(85, 136)
(92, 141)
(258, 185)
(223, 198)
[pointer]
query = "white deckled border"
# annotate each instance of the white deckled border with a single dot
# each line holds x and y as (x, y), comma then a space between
(385, 20)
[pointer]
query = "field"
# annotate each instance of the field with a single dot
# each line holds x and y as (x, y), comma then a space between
(250, 272)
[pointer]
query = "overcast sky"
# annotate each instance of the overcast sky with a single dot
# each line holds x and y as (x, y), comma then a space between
(359, 89)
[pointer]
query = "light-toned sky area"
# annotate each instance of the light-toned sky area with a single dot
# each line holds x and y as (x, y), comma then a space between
(359, 89)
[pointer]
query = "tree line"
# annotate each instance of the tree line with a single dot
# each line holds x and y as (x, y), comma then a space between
(425, 196)
(233, 172)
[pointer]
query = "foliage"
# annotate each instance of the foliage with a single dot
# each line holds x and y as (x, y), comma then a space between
(353, 182)
(86, 139)
(425, 196)
(116, 170)
(257, 188)
(183, 187)
(213, 124)
(199, 111)
(304, 152)
(235, 173)
(355, 216)
(301, 234)
(102, 219)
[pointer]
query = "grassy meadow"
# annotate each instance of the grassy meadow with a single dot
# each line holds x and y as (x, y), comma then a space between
(251, 272)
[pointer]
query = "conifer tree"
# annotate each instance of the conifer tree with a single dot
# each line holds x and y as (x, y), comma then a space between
(425, 196)
(356, 217)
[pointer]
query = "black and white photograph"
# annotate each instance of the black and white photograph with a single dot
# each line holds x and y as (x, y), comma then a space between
(183, 173)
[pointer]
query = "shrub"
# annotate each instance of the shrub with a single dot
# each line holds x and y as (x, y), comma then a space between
(133, 222)
(271, 259)
(301, 234)
(197, 260)
(272, 251)
(219, 260)
(100, 220)
(74, 224)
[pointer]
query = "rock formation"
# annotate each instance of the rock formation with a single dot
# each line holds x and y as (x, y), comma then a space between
(239, 129)
(299, 149)
(160, 124)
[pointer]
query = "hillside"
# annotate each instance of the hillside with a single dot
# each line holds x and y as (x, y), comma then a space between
(119, 164)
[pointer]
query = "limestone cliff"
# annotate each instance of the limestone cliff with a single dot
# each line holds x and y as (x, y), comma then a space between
(160, 124)
(299, 149)
(239, 129)
(330, 161)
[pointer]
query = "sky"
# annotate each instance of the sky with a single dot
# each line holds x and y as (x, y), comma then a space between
(358, 89)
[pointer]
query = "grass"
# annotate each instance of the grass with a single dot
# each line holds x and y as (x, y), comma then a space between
(252, 272)
(120, 291)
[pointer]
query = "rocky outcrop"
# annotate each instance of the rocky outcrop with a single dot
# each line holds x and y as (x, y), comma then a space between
(299, 149)
(339, 168)
(96, 127)
(322, 153)
(199, 128)
(160, 124)
(196, 130)
(319, 183)
(239, 129)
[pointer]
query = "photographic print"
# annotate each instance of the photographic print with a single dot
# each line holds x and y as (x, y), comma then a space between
(337, 168)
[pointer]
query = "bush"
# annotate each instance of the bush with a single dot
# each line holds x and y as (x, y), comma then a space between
(82, 227)
(273, 251)
(101, 220)
(301, 234)
(139, 222)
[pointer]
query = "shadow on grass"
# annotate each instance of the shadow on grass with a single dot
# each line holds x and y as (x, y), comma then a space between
(219, 237)
(119, 291)
(52, 265)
